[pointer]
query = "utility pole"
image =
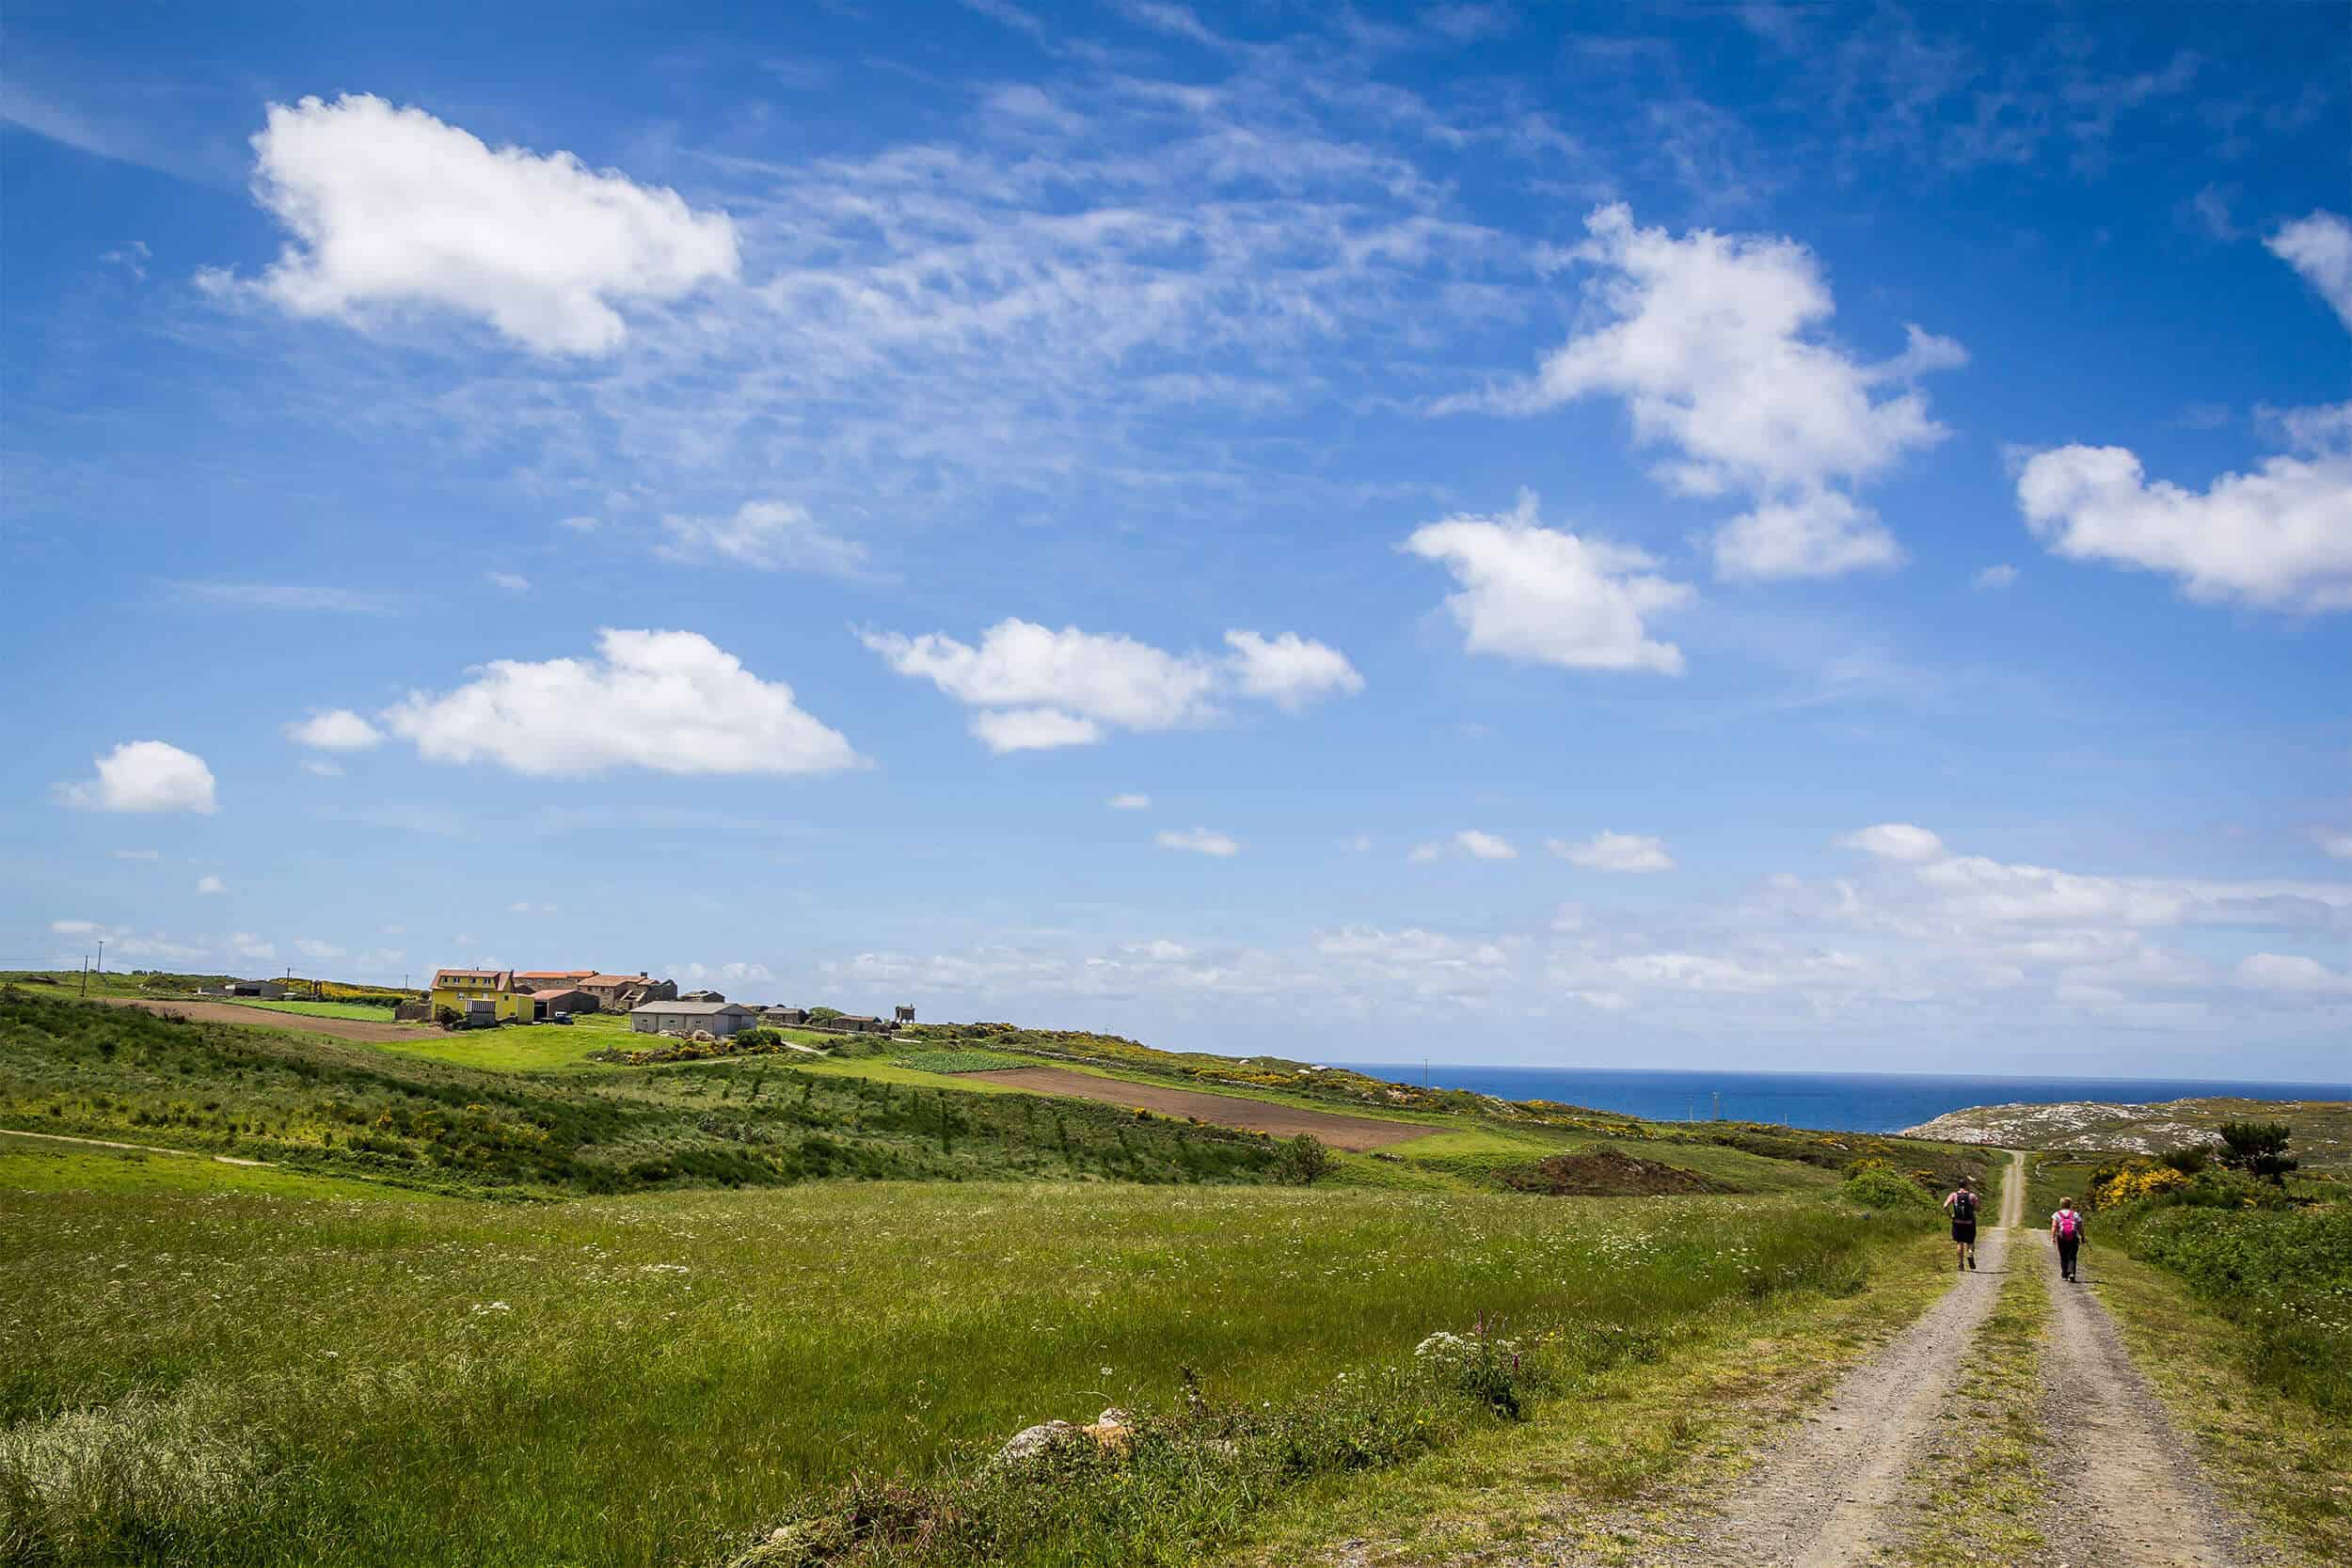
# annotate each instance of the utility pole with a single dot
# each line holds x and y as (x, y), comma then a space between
(86, 974)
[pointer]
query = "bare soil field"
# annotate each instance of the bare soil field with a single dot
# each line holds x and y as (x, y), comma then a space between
(262, 1018)
(1350, 1133)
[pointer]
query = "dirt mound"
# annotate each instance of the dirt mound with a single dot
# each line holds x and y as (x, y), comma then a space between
(1603, 1173)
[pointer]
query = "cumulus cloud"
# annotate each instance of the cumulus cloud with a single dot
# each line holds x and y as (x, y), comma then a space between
(1484, 847)
(1608, 851)
(772, 535)
(1714, 345)
(1131, 803)
(1546, 596)
(1894, 841)
(1289, 671)
(1422, 854)
(211, 884)
(335, 730)
(323, 768)
(1996, 578)
(1040, 688)
(144, 775)
(672, 702)
(1033, 729)
(510, 583)
(2279, 537)
(390, 208)
(2320, 247)
(1200, 841)
(2291, 972)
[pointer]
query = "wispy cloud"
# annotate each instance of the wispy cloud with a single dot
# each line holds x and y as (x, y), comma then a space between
(287, 595)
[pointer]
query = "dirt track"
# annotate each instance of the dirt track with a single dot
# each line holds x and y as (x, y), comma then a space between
(1825, 1497)
(1224, 1110)
(2134, 1497)
(263, 1018)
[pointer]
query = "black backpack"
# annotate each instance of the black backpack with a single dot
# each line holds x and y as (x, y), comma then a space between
(1965, 1207)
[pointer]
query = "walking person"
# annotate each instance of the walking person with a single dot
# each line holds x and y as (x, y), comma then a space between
(1962, 1203)
(2066, 1229)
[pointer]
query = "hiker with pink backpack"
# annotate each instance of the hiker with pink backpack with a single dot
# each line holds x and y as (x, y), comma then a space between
(2066, 1229)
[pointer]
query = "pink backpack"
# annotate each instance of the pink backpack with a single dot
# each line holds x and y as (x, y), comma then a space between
(2066, 1223)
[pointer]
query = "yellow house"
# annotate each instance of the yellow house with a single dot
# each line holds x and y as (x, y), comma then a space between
(479, 993)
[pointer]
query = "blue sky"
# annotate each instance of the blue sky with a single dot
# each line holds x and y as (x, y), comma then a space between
(1805, 538)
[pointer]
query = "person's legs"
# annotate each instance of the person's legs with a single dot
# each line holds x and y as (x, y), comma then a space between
(2069, 1246)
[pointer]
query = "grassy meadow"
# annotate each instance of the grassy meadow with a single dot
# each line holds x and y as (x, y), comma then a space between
(247, 1379)
(498, 1312)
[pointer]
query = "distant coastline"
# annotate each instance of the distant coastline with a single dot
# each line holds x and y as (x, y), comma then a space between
(1839, 1102)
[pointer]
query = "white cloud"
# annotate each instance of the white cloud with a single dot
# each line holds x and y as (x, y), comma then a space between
(1422, 854)
(768, 534)
(1819, 535)
(510, 583)
(1608, 851)
(1033, 729)
(310, 949)
(1360, 845)
(151, 854)
(335, 730)
(2291, 972)
(1711, 342)
(244, 944)
(669, 701)
(1131, 803)
(1484, 847)
(2320, 247)
(77, 927)
(2279, 537)
(145, 775)
(1200, 841)
(211, 884)
(1894, 841)
(1289, 671)
(1538, 595)
(391, 209)
(2003, 575)
(526, 906)
(581, 524)
(1043, 688)
(323, 768)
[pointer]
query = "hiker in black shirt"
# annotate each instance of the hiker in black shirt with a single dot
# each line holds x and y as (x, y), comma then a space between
(1962, 1203)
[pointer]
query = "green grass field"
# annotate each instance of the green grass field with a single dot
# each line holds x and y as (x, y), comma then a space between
(239, 1379)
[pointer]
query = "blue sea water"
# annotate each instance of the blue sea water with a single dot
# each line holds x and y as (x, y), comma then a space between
(1834, 1102)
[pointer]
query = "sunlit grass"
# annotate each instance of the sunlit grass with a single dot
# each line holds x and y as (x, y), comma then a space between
(245, 1379)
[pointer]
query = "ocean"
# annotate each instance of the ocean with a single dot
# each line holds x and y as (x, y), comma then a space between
(1834, 1102)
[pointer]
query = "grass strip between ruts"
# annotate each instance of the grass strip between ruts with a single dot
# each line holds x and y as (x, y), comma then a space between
(1976, 1493)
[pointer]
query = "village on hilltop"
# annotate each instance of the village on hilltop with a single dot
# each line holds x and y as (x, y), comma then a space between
(485, 998)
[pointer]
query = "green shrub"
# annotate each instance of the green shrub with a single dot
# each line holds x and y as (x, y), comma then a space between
(1873, 1185)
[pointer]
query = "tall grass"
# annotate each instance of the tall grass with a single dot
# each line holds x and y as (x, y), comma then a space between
(665, 1379)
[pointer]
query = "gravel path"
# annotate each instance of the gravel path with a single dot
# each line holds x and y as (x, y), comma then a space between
(1826, 1495)
(2133, 1496)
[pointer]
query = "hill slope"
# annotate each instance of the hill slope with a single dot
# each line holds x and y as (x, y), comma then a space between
(2322, 1129)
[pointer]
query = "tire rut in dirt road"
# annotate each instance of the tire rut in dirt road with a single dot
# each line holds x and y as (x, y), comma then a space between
(2133, 1496)
(1826, 1497)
